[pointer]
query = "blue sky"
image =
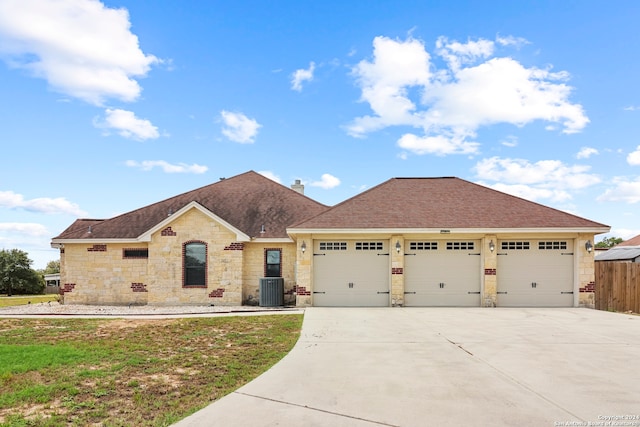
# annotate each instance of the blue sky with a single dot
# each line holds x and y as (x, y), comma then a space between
(109, 106)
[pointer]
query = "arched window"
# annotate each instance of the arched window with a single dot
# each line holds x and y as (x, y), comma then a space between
(194, 263)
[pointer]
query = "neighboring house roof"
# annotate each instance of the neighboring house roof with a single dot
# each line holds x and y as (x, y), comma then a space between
(634, 241)
(619, 253)
(246, 201)
(441, 203)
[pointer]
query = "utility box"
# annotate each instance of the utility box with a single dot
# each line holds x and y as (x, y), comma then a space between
(271, 291)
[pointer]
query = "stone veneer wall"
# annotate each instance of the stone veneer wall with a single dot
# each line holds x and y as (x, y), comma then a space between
(254, 268)
(586, 271)
(224, 274)
(98, 274)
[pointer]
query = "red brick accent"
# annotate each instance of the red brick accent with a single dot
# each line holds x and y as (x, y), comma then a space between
(97, 248)
(591, 287)
(489, 271)
(398, 270)
(301, 290)
(168, 232)
(139, 287)
(67, 287)
(218, 293)
(235, 246)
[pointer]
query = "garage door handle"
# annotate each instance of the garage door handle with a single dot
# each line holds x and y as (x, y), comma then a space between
(567, 253)
(567, 292)
(503, 254)
(319, 254)
(412, 293)
(383, 254)
(317, 292)
(501, 292)
(383, 292)
(475, 254)
(409, 254)
(477, 293)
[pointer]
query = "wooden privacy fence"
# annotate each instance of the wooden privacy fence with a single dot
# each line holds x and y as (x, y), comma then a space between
(617, 286)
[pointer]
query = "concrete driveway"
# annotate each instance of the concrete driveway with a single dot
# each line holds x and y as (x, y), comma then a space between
(446, 366)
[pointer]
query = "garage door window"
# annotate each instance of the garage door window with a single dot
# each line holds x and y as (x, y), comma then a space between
(555, 245)
(369, 246)
(333, 246)
(423, 246)
(515, 246)
(460, 246)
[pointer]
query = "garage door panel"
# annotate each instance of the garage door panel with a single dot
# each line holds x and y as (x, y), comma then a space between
(351, 273)
(442, 274)
(535, 273)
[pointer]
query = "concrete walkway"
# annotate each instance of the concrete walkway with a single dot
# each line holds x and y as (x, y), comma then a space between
(446, 366)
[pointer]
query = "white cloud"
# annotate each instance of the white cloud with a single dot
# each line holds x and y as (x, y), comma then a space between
(80, 47)
(60, 205)
(439, 145)
(634, 157)
(475, 89)
(586, 152)
(327, 182)
(239, 128)
(272, 176)
(530, 192)
(511, 41)
(302, 75)
(127, 125)
(147, 165)
(24, 228)
(545, 179)
(627, 191)
(631, 108)
(510, 141)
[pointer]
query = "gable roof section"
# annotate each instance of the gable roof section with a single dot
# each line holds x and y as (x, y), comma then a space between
(440, 203)
(246, 202)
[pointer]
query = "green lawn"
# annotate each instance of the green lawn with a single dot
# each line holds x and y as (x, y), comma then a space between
(125, 372)
(6, 301)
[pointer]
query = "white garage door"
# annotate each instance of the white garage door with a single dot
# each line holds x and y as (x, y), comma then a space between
(442, 273)
(351, 273)
(535, 273)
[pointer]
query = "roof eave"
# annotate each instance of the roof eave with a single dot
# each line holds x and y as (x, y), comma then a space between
(448, 231)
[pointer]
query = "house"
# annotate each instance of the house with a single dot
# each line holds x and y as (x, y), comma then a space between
(627, 251)
(406, 242)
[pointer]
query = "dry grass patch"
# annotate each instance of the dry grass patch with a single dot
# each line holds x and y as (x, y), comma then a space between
(116, 372)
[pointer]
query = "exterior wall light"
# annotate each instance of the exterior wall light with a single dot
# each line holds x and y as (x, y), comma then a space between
(303, 247)
(588, 246)
(398, 247)
(492, 246)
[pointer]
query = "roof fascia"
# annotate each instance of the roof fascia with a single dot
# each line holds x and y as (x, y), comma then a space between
(272, 240)
(447, 231)
(146, 236)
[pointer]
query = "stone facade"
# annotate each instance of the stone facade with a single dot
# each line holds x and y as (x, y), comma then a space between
(100, 273)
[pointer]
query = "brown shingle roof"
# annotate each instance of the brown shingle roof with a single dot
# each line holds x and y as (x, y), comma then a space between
(402, 203)
(634, 241)
(246, 201)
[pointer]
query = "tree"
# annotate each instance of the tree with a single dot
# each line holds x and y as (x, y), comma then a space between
(609, 242)
(16, 275)
(52, 267)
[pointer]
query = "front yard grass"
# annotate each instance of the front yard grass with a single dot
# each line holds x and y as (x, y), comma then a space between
(125, 372)
(6, 301)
